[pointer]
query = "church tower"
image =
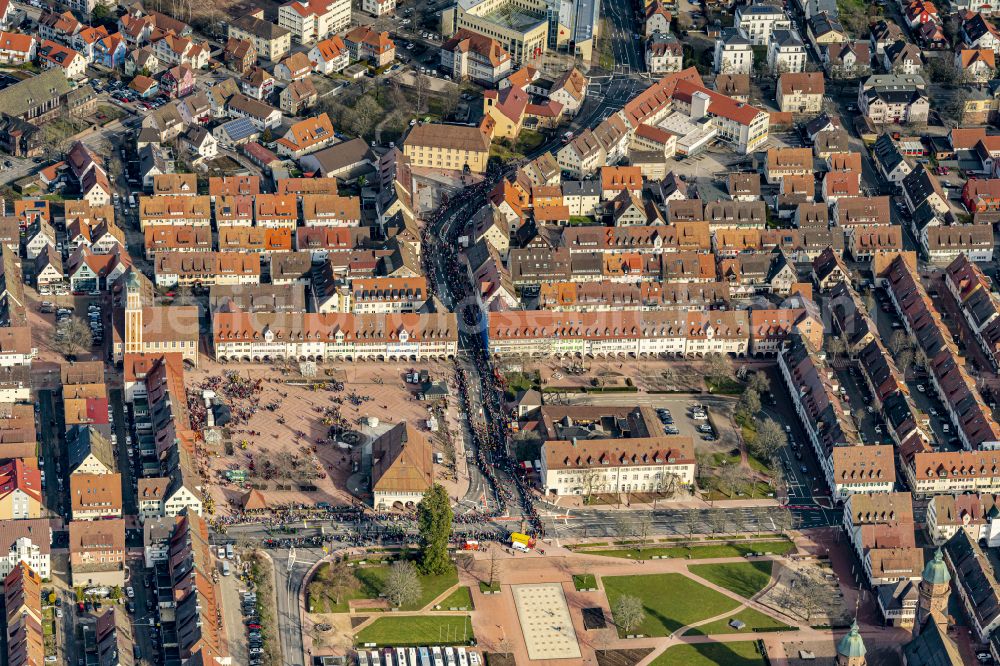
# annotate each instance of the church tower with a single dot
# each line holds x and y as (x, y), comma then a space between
(133, 313)
(935, 586)
(851, 648)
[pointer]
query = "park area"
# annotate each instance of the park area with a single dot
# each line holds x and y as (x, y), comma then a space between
(696, 551)
(670, 601)
(406, 631)
(336, 585)
(742, 653)
(297, 439)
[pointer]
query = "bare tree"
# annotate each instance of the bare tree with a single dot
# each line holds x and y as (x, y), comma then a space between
(421, 86)
(71, 337)
(402, 584)
(494, 565)
(668, 485)
(759, 381)
(367, 113)
(835, 345)
(628, 612)
(904, 359)
(623, 526)
(899, 341)
(643, 527)
(749, 402)
(783, 520)
(687, 519)
(336, 580)
(859, 416)
(719, 368)
(812, 595)
(590, 478)
(730, 478)
(716, 521)
(769, 440)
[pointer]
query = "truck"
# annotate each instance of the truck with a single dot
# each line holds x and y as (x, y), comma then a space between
(521, 542)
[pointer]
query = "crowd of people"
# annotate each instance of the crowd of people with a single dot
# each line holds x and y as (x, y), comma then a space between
(240, 394)
(491, 436)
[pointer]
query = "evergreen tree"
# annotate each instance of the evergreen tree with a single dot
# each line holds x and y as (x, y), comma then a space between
(434, 516)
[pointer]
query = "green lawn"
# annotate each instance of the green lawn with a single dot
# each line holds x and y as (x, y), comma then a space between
(743, 653)
(460, 598)
(528, 140)
(670, 600)
(487, 588)
(372, 579)
(417, 630)
(585, 582)
(727, 387)
(753, 619)
(744, 578)
(700, 552)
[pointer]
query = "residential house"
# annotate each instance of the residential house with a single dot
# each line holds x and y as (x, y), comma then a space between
(257, 83)
(20, 491)
(262, 116)
(239, 55)
(893, 99)
(758, 22)
(471, 55)
(95, 496)
(97, 553)
(330, 56)
(847, 60)
(443, 146)
(17, 49)
(976, 65)
(272, 42)
(57, 56)
(294, 67)
(371, 46)
(664, 53)
(902, 57)
(824, 29)
(800, 92)
(173, 50)
(307, 136)
(297, 97)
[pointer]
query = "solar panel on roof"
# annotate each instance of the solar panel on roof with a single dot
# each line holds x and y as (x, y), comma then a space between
(240, 128)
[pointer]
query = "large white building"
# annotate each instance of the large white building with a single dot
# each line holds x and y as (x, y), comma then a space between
(644, 464)
(733, 53)
(758, 22)
(786, 52)
(26, 541)
(630, 332)
(263, 337)
(315, 20)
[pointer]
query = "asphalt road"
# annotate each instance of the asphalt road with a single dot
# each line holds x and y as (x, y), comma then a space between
(290, 567)
(621, 26)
